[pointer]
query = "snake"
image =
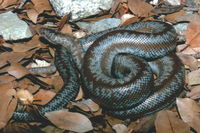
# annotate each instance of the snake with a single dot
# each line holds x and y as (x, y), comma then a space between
(130, 71)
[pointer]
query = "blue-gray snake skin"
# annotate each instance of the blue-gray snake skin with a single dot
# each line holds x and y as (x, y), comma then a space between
(117, 68)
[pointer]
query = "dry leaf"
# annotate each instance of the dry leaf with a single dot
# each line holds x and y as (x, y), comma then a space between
(41, 5)
(24, 47)
(193, 77)
(7, 106)
(120, 128)
(80, 94)
(168, 122)
(67, 29)
(43, 96)
(140, 8)
(6, 3)
(33, 15)
(6, 79)
(70, 121)
(24, 96)
(87, 105)
(189, 61)
(189, 111)
(145, 124)
(173, 17)
(11, 57)
(17, 70)
(193, 33)
(127, 19)
(195, 92)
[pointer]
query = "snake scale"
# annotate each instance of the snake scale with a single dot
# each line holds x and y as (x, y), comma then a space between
(131, 71)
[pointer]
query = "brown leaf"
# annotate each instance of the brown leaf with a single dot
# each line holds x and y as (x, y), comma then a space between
(6, 79)
(17, 70)
(87, 105)
(24, 96)
(195, 92)
(6, 3)
(120, 128)
(127, 19)
(193, 77)
(172, 17)
(67, 29)
(189, 61)
(7, 106)
(145, 124)
(24, 47)
(189, 111)
(43, 96)
(80, 94)
(11, 57)
(168, 122)
(193, 33)
(33, 15)
(70, 121)
(140, 8)
(41, 5)
(5, 87)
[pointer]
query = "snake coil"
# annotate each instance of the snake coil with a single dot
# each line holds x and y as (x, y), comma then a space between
(117, 68)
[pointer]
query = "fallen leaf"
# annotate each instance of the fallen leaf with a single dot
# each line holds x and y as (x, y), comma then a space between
(5, 87)
(173, 17)
(6, 79)
(80, 94)
(194, 93)
(87, 105)
(33, 15)
(193, 33)
(7, 107)
(42, 97)
(189, 111)
(24, 47)
(70, 121)
(6, 3)
(120, 128)
(67, 29)
(168, 122)
(41, 5)
(146, 124)
(17, 70)
(127, 19)
(194, 77)
(140, 8)
(11, 57)
(189, 61)
(25, 96)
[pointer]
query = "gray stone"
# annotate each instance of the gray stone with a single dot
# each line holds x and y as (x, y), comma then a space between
(105, 24)
(13, 28)
(80, 8)
(100, 25)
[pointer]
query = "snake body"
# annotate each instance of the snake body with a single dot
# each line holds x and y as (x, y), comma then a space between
(117, 67)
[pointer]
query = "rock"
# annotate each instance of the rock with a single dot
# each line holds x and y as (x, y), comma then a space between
(105, 24)
(80, 8)
(13, 28)
(174, 2)
(180, 30)
(100, 25)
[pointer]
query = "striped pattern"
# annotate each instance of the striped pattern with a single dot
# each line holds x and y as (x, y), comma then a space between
(117, 67)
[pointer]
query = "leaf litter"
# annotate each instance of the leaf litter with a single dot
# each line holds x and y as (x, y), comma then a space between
(39, 88)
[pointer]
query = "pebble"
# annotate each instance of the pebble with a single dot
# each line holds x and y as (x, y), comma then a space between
(13, 28)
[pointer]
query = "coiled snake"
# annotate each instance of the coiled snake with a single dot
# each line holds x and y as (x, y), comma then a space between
(117, 69)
